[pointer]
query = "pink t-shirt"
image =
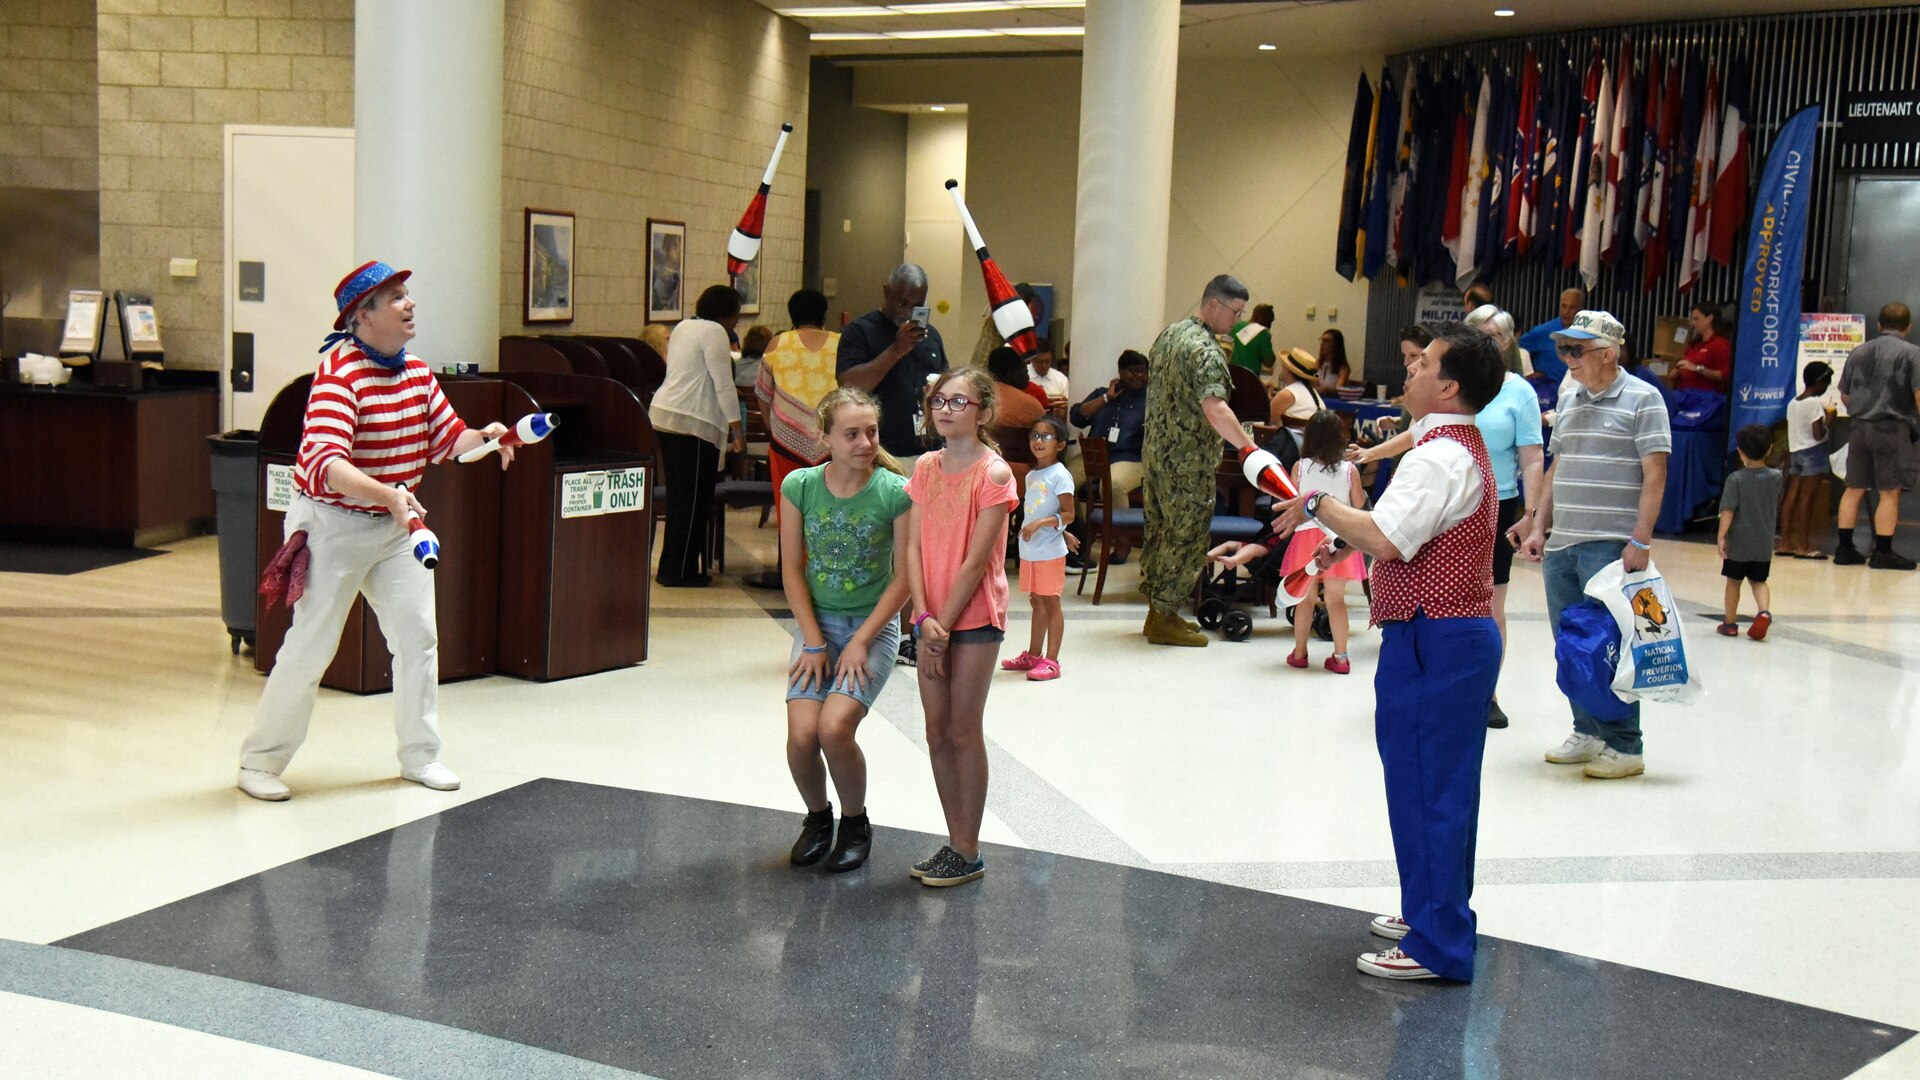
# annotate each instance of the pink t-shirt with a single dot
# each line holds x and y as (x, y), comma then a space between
(950, 505)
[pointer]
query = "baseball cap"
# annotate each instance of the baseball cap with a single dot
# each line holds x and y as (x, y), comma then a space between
(1594, 325)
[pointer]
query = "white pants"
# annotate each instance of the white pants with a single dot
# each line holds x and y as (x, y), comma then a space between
(351, 554)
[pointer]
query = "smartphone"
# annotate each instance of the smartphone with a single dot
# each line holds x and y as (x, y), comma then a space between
(919, 315)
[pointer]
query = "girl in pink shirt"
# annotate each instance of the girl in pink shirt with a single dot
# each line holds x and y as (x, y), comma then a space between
(956, 568)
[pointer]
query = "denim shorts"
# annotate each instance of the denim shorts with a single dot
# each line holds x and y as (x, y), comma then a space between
(838, 630)
(1809, 462)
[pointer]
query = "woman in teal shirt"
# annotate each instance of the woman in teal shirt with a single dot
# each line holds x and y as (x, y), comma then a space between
(843, 530)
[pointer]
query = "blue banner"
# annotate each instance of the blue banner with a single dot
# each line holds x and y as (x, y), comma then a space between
(1769, 333)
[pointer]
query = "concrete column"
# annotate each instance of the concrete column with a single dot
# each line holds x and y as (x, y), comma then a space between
(1128, 65)
(428, 81)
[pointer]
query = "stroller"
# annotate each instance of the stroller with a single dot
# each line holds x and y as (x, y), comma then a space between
(1218, 596)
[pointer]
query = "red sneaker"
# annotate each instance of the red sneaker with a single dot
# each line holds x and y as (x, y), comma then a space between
(1339, 665)
(1298, 660)
(1024, 662)
(1043, 670)
(1758, 631)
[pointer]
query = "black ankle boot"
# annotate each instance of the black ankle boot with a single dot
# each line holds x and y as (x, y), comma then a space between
(816, 836)
(850, 850)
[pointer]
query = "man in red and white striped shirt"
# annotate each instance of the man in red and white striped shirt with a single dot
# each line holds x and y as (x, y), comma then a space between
(375, 418)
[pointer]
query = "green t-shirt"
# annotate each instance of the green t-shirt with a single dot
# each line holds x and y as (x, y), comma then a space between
(1256, 355)
(849, 541)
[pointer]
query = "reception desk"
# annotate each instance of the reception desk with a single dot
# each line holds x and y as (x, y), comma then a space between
(85, 465)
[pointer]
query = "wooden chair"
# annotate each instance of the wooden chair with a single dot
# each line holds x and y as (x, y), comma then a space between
(1248, 398)
(754, 488)
(1109, 524)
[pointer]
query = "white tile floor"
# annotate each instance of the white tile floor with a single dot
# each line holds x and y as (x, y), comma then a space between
(1773, 846)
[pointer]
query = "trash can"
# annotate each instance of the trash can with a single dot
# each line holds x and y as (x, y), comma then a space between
(236, 503)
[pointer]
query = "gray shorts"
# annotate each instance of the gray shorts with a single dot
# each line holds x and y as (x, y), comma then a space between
(1882, 455)
(838, 630)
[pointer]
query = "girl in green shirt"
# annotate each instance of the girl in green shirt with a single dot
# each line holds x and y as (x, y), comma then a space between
(843, 530)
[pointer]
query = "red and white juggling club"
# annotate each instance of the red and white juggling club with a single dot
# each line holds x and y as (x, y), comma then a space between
(530, 429)
(1294, 585)
(744, 245)
(1265, 472)
(425, 545)
(1010, 314)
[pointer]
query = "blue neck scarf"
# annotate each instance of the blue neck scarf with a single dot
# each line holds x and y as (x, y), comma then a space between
(391, 363)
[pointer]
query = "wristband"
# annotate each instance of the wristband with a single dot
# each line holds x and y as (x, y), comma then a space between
(1638, 544)
(815, 649)
(918, 619)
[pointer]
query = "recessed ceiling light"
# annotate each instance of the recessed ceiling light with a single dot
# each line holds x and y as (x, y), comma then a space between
(1267, 46)
(1503, 13)
(938, 108)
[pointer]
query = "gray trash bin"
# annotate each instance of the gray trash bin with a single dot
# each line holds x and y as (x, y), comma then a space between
(236, 502)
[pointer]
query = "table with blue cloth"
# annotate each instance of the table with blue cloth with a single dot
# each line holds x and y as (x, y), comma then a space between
(1698, 463)
(1363, 410)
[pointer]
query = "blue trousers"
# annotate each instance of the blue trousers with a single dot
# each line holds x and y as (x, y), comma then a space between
(1433, 687)
(1567, 571)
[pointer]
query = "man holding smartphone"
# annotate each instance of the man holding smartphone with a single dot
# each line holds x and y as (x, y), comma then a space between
(891, 352)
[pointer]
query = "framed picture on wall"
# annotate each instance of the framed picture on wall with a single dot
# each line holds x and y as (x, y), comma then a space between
(549, 267)
(666, 262)
(748, 286)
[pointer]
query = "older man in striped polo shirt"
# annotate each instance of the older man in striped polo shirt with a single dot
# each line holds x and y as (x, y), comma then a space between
(1610, 446)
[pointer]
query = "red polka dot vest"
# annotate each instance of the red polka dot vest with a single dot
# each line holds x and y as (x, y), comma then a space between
(1452, 576)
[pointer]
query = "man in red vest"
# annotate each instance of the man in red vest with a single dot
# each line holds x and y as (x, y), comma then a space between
(1431, 537)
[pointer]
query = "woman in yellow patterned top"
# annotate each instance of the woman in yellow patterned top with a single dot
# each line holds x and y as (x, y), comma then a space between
(796, 372)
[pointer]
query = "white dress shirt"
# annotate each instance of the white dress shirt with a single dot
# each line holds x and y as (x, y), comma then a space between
(1435, 487)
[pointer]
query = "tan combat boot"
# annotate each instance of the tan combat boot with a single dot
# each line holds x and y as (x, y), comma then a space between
(1167, 628)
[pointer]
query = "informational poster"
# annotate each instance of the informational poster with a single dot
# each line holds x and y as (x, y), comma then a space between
(82, 332)
(143, 328)
(1438, 304)
(1828, 338)
(280, 487)
(602, 491)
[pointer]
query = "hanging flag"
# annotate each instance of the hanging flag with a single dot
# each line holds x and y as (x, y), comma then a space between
(1599, 166)
(1558, 112)
(1524, 169)
(1431, 190)
(1766, 348)
(1353, 185)
(1627, 113)
(1398, 213)
(1369, 165)
(1658, 244)
(1579, 161)
(1385, 154)
(744, 245)
(1457, 173)
(1693, 256)
(1649, 150)
(1730, 188)
(1467, 264)
(1680, 189)
(1619, 158)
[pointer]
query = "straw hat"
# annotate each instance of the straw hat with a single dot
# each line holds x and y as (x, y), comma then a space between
(1302, 363)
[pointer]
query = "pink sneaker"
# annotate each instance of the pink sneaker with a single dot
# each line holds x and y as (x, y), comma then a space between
(1338, 665)
(1043, 669)
(1024, 662)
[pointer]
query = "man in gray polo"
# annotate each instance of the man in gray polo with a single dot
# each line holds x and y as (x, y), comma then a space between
(1881, 386)
(1610, 446)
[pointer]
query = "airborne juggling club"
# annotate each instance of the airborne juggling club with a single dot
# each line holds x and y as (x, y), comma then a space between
(744, 245)
(1010, 314)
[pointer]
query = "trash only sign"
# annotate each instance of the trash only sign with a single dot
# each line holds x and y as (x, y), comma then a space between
(602, 491)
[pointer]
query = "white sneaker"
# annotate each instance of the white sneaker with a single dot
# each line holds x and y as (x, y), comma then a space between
(1391, 927)
(264, 785)
(1611, 764)
(433, 775)
(1392, 964)
(1576, 749)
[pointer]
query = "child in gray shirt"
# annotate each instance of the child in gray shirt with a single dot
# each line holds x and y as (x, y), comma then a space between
(1749, 511)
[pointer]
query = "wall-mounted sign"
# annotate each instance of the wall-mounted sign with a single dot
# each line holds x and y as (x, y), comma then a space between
(1880, 116)
(602, 491)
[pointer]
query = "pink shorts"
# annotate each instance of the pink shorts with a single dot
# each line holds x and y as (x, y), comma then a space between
(1349, 567)
(1047, 577)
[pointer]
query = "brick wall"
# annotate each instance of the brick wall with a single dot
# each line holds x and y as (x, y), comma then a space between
(172, 73)
(620, 110)
(49, 127)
